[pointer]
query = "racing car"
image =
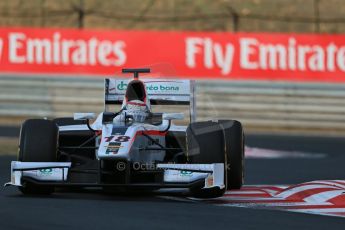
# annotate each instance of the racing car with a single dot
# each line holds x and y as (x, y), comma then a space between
(133, 147)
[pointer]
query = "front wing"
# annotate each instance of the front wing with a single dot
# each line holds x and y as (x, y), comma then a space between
(175, 175)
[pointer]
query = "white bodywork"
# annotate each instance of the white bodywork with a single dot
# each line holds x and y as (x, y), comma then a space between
(50, 171)
(126, 145)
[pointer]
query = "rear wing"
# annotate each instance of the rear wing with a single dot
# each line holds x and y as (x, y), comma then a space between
(160, 92)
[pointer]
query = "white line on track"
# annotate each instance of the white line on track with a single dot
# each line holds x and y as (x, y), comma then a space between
(299, 189)
(175, 198)
(276, 154)
(324, 196)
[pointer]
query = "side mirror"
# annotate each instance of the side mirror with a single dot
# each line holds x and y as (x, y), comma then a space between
(173, 116)
(84, 116)
(108, 117)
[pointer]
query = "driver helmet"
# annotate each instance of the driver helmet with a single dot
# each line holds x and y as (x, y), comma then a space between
(137, 109)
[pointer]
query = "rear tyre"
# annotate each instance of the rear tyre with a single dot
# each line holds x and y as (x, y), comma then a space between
(38, 143)
(205, 143)
(234, 142)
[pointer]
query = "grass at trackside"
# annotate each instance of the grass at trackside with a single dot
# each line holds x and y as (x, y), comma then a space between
(8, 146)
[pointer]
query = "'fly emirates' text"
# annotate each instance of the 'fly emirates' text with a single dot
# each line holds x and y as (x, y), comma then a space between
(255, 55)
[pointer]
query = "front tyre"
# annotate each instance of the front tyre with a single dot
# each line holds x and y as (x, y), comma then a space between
(234, 143)
(38, 143)
(206, 145)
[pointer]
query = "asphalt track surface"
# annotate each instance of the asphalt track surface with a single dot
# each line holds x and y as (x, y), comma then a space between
(93, 210)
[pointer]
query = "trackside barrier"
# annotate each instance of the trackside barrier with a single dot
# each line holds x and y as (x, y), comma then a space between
(317, 108)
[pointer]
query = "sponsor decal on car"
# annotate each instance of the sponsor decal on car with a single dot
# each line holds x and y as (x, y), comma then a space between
(150, 86)
(186, 173)
(209, 181)
(119, 138)
(113, 148)
(44, 172)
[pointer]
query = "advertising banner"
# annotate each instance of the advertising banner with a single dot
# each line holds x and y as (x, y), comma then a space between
(196, 55)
